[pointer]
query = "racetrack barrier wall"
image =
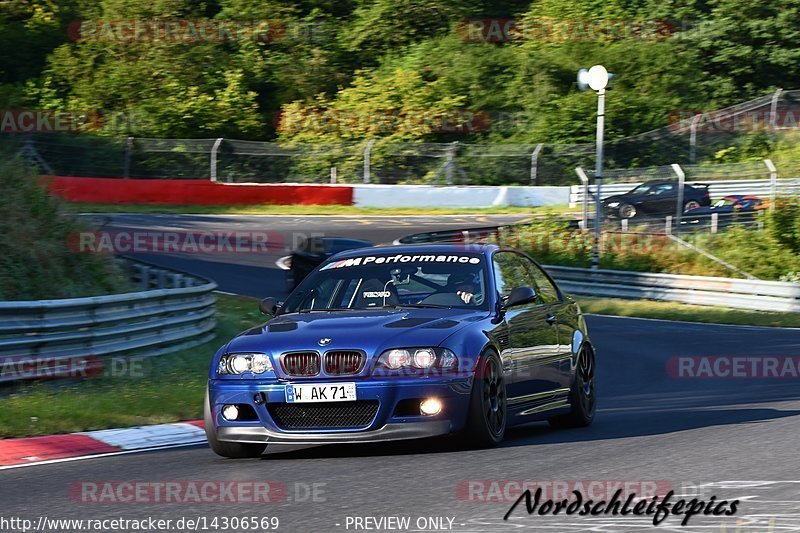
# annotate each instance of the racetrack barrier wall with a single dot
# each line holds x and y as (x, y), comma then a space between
(172, 311)
(756, 295)
(195, 192)
(473, 196)
(204, 192)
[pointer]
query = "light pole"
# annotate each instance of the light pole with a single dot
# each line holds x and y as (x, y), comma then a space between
(597, 78)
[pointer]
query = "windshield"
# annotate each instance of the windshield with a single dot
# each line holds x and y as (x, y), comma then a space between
(456, 280)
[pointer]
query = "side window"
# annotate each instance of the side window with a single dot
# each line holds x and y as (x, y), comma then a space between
(665, 189)
(545, 290)
(509, 272)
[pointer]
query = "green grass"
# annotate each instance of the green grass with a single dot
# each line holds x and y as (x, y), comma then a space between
(687, 313)
(270, 209)
(169, 388)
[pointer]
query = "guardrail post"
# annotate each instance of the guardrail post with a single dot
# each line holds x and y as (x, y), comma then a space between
(535, 162)
(624, 223)
(773, 183)
(367, 161)
(714, 222)
(145, 277)
(668, 225)
(679, 207)
(214, 150)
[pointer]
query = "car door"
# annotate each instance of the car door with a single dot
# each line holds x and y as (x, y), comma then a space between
(565, 315)
(531, 355)
(664, 199)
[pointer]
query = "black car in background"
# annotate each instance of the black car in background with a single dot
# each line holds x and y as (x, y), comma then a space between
(655, 198)
(313, 251)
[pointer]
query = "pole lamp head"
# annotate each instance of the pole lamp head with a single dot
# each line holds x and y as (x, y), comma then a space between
(596, 78)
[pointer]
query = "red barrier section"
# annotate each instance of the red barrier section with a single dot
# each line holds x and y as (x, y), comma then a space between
(195, 192)
(34, 449)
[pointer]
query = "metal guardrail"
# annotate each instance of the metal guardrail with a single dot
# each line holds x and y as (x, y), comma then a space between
(173, 311)
(701, 290)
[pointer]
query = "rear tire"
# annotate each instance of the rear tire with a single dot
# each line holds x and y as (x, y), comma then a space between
(488, 412)
(691, 204)
(582, 396)
(232, 450)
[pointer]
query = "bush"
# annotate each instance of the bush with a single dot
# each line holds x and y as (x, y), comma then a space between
(766, 254)
(36, 262)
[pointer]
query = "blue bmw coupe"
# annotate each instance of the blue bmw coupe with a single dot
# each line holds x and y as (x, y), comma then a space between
(404, 342)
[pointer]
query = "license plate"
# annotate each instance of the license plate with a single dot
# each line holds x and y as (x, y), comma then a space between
(327, 392)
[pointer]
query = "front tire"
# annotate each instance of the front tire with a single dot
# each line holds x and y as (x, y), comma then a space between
(627, 211)
(488, 413)
(232, 450)
(583, 395)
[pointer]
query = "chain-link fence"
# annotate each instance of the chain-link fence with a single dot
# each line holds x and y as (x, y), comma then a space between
(691, 136)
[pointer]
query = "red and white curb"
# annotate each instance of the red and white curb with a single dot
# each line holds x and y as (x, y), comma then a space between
(15, 453)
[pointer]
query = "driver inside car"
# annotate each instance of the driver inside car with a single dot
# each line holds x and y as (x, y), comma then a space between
(465, 288)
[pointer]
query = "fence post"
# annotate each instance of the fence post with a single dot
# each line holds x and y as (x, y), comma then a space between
(773, 182)
(367, 155)
(535, 162)
(773, 110)
(333, 175)
(451, 161)
(126, 168)
(679, 207)
(714, 222)
(214, 150)
(693, 138)
(585, 182)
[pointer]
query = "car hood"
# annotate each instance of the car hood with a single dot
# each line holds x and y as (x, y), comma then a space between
(368, 330)
(615, 198)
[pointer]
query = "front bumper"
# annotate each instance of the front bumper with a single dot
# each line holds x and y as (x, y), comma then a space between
(390, 422)
(395, 431)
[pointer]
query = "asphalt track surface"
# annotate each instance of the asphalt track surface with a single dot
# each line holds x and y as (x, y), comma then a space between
(729, 438)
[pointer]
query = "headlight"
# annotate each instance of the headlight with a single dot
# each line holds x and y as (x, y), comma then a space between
(418, 358)
(612, 204)
(394, 359)
(239, 363)
(423, 358)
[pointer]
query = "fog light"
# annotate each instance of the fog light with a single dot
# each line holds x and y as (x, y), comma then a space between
(430, 407)
(230, 412)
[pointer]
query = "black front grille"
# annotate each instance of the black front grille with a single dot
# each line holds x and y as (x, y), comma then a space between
(301, 363)
(343, 363)
(328, 415)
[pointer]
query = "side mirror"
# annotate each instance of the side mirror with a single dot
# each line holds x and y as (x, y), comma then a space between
(269, 306)
(520, 296)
